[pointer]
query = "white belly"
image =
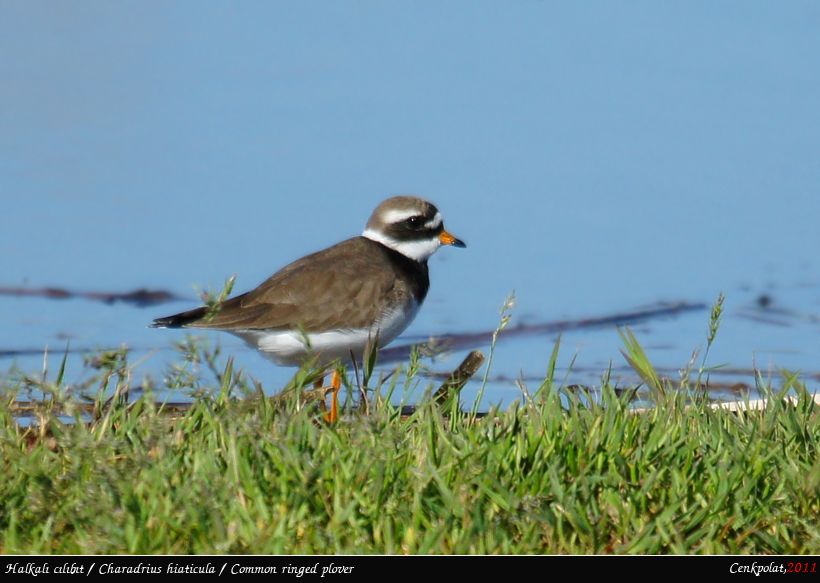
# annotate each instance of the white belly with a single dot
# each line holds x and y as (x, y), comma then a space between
(292, 348)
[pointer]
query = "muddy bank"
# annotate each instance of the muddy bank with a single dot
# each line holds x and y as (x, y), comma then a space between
(141, 297)
(464, 341)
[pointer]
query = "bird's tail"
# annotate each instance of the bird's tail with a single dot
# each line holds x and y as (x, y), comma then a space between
(180, 320)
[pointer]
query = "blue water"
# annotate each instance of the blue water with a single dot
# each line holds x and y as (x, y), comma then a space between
(596, 157)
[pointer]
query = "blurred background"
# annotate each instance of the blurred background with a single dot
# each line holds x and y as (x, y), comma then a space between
(597, 157)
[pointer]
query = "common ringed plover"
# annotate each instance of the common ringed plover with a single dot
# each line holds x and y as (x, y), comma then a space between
(329, 304)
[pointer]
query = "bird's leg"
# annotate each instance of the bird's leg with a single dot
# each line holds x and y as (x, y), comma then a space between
(335, 385)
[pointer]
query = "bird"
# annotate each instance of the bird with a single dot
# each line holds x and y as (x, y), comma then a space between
(329, 305)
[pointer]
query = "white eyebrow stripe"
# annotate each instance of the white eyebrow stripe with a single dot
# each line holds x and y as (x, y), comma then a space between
(435, 222)
(398, 215)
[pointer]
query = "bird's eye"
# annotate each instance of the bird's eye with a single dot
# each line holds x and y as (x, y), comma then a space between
(414, 221)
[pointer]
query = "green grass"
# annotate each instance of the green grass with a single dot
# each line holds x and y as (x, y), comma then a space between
(241, 473)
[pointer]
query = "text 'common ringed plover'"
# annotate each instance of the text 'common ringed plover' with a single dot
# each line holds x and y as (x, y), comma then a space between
(330, 303)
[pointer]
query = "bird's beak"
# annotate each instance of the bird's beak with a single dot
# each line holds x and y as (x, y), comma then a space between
(448, 239)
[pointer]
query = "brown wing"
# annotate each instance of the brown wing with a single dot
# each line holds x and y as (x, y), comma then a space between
(347, 285)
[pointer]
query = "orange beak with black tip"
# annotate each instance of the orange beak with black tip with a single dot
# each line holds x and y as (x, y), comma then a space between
(448, 239)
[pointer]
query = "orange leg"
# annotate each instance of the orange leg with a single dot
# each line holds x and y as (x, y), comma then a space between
(335, 385)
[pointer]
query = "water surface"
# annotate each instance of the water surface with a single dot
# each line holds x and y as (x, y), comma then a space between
(595, 157)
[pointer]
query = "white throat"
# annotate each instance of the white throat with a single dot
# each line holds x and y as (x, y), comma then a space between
(417, 250)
